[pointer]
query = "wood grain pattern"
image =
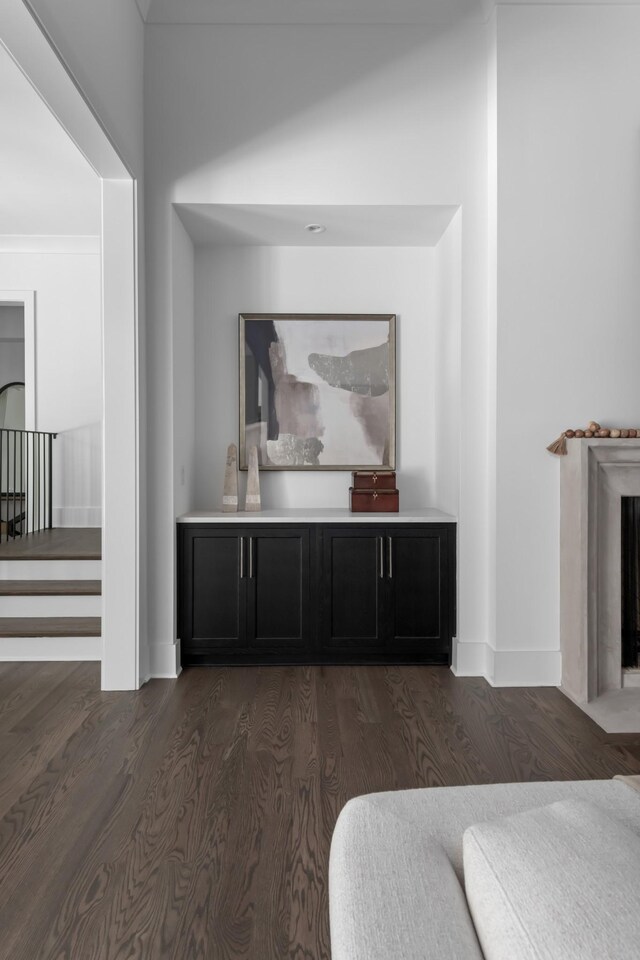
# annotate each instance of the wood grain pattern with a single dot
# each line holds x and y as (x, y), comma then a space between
(50, 588)
(69, 543)
(50, 626)
(193, 819)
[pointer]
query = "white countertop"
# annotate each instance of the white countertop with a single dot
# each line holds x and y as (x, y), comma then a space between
(323, 515)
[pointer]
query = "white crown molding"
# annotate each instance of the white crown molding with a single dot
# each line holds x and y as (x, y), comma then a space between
(10, 243)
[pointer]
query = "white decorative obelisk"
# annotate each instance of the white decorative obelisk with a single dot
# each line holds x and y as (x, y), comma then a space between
(252, 502)
(230, 495)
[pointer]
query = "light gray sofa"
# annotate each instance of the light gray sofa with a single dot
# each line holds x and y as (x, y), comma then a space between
(552, 872)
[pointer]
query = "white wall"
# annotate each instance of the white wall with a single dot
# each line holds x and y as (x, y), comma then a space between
(568, 288)
(68, 367)
(319, 115)
(445, 352)
(11, 344)
(184, 359)
(163, 657)
(231, 280)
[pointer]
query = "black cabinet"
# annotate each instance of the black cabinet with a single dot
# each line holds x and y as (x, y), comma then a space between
(387, 591)
(352, 608)
(419, 591)
(215, 610)
(353, 592)
(278, 601)
(244, 594)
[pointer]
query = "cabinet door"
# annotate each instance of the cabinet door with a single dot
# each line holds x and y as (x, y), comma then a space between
(214, 591)
(278, 603)
(419, 614)
(353, 587)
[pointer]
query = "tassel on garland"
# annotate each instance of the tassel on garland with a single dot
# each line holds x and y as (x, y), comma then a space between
(559, 446)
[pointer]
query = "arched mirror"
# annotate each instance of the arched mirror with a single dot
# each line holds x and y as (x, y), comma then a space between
(12, 406)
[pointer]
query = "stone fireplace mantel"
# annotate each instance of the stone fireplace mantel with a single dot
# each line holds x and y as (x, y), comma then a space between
(595, 475)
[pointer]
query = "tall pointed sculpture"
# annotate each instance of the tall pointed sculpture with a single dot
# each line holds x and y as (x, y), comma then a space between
(252, 502)
(230, 495)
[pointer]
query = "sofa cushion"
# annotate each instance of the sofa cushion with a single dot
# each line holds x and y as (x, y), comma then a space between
(557, 883)
(444, 813)
(394, 894)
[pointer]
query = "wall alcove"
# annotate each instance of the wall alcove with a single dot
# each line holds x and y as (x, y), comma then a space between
(233, 258)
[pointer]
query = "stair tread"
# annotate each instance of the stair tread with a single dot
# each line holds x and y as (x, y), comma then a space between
(50, 627)
(66, 543)
(50, 588)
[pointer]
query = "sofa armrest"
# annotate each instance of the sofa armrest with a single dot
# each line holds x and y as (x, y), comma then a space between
(393, 892)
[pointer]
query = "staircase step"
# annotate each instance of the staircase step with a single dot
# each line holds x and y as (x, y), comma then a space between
(80, 543)
(50, 588)
(50, 627)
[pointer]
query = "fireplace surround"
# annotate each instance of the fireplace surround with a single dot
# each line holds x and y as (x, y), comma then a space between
(595, 475)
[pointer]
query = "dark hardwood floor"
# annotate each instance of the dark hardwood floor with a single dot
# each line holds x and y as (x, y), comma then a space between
(65, 543)
(192, 820)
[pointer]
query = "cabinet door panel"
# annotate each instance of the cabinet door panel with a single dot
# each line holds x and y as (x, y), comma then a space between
(279, 588)
(218, 617)
(353, 587)
(418, 603)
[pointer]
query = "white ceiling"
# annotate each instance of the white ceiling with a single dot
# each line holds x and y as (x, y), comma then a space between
(211, 224)
(46, 185)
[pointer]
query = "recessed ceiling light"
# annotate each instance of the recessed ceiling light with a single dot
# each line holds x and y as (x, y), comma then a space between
(315, 228)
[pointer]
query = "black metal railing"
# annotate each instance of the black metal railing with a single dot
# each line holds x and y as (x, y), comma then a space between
(26, 458)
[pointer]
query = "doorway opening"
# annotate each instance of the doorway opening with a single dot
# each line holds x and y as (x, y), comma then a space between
(23, 37)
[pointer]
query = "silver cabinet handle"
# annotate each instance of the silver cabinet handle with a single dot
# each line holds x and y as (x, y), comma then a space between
(250, 558)
(242, 558)
(390, 541)
(381, 557)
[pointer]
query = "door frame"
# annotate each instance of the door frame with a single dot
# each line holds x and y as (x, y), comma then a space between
(27, 300)
(35, 53)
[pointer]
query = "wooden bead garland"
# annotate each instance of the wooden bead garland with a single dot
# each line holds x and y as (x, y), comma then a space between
(559, 446)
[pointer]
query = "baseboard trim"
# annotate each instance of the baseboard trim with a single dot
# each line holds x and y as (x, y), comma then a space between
(145, 673)
(526, 668)
(469, 659)
(36, 649)
(507, 668)
(77, 516)
(164, 661)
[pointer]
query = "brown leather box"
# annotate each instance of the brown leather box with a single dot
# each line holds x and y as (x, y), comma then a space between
(374, 480)
(374, 501)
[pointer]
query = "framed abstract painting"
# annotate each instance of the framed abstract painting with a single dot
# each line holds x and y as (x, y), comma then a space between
(318, 391)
